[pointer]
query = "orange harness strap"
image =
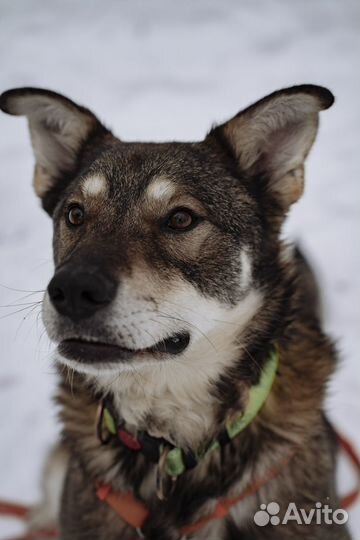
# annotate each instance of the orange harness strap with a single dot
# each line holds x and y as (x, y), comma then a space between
(349, 499)
(129, 508)
(13, 510)
(135, 513)
(223, 506)
(21, 512)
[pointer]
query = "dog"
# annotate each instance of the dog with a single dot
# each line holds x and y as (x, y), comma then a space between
(192, 363)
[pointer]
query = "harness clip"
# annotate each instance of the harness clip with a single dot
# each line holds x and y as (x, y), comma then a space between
(165, 484)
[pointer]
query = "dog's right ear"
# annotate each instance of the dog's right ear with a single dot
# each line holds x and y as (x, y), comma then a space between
(59, 130)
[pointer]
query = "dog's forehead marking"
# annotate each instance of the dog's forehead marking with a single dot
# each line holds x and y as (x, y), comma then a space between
(161, 189)
(94, 186)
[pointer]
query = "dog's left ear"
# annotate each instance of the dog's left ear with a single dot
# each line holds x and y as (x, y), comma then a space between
(272, 138)
(59, 130)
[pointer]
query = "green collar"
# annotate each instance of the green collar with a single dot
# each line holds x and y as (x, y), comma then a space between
(176, 460)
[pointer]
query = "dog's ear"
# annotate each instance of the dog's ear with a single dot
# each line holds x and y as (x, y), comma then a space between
(271, 138)
(59, 129)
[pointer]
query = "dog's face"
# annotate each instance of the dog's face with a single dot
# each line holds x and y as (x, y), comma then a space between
(150, 255)
(162, 250)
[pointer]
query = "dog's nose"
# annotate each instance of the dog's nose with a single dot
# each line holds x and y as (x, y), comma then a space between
(78, 294)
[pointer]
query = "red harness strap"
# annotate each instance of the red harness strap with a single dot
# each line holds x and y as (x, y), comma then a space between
(135, 512)
(129, 508)
(349, 499)
(13, 510)
(21, 511)
(223, 506)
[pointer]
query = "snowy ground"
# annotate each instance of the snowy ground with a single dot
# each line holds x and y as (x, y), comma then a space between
(162, 70)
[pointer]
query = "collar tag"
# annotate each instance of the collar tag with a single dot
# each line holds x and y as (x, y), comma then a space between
(109, 421)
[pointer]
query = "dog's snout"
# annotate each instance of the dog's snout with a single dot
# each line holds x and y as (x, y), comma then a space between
(78, 294)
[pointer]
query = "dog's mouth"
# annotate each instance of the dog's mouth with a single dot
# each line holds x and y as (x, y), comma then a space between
(91, 351)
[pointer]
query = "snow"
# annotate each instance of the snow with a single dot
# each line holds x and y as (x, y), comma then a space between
(167, 70)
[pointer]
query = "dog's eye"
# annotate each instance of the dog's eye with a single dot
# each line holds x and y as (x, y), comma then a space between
(75, 215)
(181, 220)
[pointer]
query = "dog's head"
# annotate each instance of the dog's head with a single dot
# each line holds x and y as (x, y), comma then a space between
(163, 251)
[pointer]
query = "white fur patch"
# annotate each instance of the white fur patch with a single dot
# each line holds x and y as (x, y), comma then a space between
(161, 188)
(94, 186)
(175, 391)
(246, 270)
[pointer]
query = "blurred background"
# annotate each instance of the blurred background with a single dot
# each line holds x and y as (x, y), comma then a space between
(156, 70)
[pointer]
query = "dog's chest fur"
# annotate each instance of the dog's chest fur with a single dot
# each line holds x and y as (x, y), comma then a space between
(289, 422)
